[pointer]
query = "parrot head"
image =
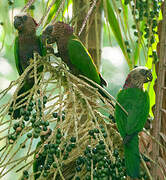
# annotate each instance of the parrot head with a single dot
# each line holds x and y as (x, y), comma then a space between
(137, 77)
(25, 23)
(56, 31)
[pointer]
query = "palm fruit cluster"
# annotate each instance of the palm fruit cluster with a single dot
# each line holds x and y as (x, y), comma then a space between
(147, 11)
(29, 116)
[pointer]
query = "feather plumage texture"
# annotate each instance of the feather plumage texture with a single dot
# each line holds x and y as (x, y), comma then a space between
(72, 51)
(136, 102)
(26, 43)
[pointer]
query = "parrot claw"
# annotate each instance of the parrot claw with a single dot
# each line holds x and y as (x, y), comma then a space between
(57, 54)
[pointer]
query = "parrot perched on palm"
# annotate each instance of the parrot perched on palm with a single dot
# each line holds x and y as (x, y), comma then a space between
(72, 51)
(136, 102)
(26, 43)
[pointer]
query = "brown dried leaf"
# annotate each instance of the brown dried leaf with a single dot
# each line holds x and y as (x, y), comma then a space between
(163, 136)
(163, 166)
(145, 144)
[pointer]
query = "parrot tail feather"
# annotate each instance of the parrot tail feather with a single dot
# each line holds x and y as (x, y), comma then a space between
(16, 113)
(105, 96)
(24, 88)
(132, 157)
(103, 81)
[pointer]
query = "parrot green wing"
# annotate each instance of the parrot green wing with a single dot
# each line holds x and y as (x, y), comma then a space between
(42, 52)
(136, 102)
(120, 115)
(16, 54)
(42, 47)
(82, 60)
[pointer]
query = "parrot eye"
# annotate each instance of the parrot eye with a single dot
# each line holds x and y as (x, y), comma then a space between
(24, 18)
(147, 74)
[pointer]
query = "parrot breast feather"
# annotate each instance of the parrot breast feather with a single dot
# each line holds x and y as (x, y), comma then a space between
(136, 102)
(16, 54)
(81, 59)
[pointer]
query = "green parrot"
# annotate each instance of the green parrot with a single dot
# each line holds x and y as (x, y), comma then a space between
(136, 102)
(72, 51)
(26, 43)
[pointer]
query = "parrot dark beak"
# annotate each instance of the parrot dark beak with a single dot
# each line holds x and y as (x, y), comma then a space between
(18, 23)
(46, 36)
(149, 76)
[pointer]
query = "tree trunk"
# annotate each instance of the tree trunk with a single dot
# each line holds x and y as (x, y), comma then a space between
(91, 35)
(159, 124)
